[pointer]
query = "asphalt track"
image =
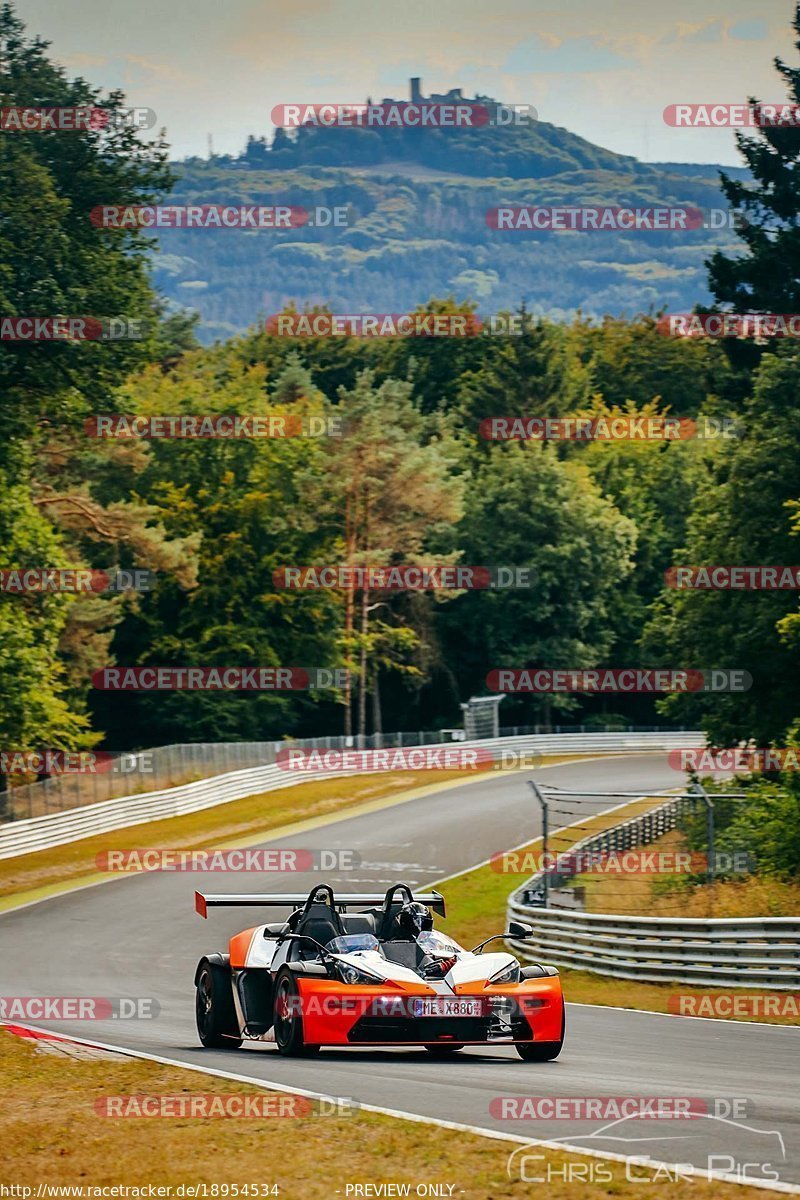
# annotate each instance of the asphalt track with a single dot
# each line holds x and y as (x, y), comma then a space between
(140, 937)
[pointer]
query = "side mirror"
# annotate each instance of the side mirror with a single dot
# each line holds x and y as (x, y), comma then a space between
(521, 932)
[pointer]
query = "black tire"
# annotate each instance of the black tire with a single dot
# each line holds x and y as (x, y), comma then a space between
(443, 1047)
(287, 1019)
(217, 1023)
(542, 1051)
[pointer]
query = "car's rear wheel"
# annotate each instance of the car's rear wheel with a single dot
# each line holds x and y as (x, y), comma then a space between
(217, 1025)
(287, 1018)
(443, 1047)
(542, 1051)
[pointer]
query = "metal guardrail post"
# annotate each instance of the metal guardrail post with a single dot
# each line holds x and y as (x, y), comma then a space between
(545, 833)
(699, 790)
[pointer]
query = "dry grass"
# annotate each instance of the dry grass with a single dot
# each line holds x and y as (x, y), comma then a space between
(51, 1134)
(672, 896)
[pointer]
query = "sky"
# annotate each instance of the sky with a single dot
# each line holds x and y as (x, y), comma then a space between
(604, 69)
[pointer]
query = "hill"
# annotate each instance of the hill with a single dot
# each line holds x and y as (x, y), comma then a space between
(417, 203)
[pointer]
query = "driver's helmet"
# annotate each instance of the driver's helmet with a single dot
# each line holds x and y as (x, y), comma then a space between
(413, 919)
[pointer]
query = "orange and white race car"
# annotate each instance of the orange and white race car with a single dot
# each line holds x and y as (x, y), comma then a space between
(329, 976)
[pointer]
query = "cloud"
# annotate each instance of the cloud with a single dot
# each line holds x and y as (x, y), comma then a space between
(705, 34)
(80, 61)
(573, 55)
(749, 31)
(145, 69)
(695, 35)
(716, 31)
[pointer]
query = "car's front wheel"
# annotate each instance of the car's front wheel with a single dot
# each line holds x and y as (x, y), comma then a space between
(288, 1019)
(217, 1025)
(542, 1051)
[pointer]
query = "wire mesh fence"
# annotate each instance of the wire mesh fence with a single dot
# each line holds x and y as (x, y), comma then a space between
(130, 773)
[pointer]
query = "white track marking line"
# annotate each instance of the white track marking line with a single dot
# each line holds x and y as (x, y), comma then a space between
(651, 1012)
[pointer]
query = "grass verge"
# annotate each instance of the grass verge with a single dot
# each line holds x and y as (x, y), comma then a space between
(52, 1134)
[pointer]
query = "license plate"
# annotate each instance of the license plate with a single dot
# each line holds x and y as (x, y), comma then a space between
(447, 1006)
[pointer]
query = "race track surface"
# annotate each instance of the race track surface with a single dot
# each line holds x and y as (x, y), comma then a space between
(140, 937)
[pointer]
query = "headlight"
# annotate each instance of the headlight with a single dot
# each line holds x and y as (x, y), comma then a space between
(509, 974)
(350, 974)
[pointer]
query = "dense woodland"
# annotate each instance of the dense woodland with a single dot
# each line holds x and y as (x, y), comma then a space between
(415, 232)
(412, 481)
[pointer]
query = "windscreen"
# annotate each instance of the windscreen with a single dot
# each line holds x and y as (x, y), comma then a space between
(436, 943)
(351, 942)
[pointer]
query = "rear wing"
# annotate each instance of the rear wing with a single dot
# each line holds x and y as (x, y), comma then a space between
(202, 903)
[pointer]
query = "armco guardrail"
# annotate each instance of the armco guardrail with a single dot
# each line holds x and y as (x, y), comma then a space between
(54, 829)
(720, 952)
(732, 952)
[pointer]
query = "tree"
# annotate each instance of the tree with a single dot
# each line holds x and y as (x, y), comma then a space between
(652, 483)
(526, 508)
(742, 515)
(56, 262)
(237, 507)
(767, 277)
(34, 711)
(536, 372)
(392, 491)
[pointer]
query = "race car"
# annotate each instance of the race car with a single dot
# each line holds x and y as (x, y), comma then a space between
(379, 976)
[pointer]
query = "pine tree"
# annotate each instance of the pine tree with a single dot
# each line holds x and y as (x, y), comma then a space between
(767, 277)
